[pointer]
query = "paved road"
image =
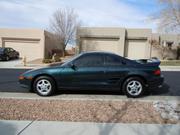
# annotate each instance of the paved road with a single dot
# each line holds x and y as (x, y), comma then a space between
(9, 83)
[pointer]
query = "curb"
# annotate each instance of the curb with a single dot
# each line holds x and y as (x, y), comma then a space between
(33, 96)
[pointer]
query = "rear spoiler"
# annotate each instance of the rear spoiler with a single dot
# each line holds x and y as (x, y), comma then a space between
(149, 62)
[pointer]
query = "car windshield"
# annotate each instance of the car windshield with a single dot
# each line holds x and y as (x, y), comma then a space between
(70, 60)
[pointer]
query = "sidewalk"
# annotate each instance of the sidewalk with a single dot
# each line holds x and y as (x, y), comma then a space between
(14, 95)
(170, 68)
(84, 128)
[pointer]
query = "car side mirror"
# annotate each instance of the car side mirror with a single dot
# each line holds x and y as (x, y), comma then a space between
(123, 62)
(73, 66)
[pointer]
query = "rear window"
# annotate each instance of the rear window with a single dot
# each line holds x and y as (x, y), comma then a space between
(113, 60)
(1, 50)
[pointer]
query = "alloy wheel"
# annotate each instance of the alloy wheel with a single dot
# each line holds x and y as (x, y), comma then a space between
(134, 87)
(43, 86)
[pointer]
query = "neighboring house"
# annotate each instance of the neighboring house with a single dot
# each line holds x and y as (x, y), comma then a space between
(167, 40)
(30, 43)
(131, 43)
(168, 45)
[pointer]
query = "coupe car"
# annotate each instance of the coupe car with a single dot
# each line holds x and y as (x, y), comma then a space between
(7, 53)
(96, 71)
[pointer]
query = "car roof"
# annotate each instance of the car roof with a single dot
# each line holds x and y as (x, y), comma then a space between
(100, 52)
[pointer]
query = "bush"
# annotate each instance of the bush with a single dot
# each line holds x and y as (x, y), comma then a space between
(47, 61)
(57, 59)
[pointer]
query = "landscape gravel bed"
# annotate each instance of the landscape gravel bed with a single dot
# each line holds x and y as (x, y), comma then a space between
(81, 111)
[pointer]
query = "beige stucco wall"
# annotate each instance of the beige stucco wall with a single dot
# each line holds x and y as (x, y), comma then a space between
(26, 38)
(141, 37)
(93, 34)
(163, 54)
(118, 38)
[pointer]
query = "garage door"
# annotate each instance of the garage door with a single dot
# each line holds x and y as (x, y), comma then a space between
(108, 45)
(136, 49)
(30, 50)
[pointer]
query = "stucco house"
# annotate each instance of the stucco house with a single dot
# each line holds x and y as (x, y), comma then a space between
(131, 43)
(30, 43)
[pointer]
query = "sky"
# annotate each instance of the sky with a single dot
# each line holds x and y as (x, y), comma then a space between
(92, 13)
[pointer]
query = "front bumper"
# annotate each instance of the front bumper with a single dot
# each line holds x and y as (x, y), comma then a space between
(25, 83)
(156, 82)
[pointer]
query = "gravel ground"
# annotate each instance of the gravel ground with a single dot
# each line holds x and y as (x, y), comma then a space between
(81, 111)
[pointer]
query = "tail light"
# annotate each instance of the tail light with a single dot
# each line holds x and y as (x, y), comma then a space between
(157, 72)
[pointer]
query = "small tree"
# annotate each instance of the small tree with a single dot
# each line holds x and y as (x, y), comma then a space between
(162, 49)
(178, 52)
(64, 24)
(169, 16)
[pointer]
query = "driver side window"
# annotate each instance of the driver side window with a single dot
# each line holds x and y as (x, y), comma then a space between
(90, 61)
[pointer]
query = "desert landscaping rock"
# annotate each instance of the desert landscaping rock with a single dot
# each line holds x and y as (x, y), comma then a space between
(81, 111)
(168, 110)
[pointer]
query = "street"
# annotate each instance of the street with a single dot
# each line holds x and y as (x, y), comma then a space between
(9, 83)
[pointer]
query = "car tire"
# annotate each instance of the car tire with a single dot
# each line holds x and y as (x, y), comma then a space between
(44, 86)
(134, 87)
(7, 58)
(17, 57)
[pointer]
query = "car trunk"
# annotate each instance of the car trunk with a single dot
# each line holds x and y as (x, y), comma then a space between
(149, 62)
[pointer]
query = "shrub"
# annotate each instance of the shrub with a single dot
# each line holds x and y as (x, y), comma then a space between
(47, 61)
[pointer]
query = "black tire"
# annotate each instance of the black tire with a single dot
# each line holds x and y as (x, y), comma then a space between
(49, 80)
(137, 80)
(7, 58)
(17, 57)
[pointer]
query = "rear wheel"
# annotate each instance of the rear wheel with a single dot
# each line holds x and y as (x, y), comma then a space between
(44, 86)
(7, 58)
(134, 87)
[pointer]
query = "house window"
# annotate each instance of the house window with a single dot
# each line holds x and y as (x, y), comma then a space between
(169, 44)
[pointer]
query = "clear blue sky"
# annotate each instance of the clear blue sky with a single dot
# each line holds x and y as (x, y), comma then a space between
(121, 13)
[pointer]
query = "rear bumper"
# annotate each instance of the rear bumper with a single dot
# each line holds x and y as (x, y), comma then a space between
(156, 82)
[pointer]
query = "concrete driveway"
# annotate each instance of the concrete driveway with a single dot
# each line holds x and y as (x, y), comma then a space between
(10, 63)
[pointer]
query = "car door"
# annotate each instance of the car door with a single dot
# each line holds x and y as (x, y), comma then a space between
(88, 72)
(116, 70)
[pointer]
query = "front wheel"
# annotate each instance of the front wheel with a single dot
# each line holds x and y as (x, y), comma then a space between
(134, 87)
(7, 58)
(44, 86)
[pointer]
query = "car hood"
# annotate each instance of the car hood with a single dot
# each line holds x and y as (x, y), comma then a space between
(44, 70)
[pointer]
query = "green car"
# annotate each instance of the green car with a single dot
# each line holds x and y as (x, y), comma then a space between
(96, 71)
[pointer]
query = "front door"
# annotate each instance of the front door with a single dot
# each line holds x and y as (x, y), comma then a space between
(87, 72)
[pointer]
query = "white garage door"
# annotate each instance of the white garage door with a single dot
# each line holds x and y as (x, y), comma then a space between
(109, 45)
(137, 49)
(30, 50)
